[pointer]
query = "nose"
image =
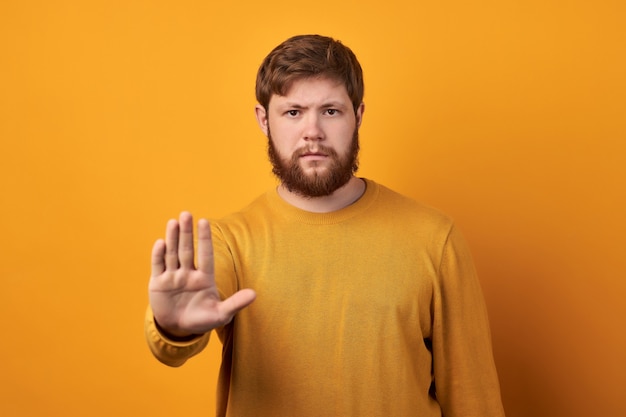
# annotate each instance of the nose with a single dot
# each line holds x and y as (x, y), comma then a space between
(312, 129)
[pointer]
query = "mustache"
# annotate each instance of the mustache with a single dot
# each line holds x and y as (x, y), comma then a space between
(314, 149)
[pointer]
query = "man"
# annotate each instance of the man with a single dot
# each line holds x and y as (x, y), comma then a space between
(332, 295)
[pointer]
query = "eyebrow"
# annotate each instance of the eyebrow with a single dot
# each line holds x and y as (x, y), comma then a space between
(325, 105)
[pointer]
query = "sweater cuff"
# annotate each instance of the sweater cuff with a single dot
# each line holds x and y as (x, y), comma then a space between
(167, 350)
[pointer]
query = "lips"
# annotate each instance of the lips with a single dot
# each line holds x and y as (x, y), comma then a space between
(312, 153)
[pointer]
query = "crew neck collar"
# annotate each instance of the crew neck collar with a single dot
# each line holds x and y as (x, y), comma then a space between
(293, 213)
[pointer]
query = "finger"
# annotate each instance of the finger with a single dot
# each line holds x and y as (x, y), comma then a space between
(158, 263)
(171, 245)
(205, 247)
(237, 302)
(185, 245)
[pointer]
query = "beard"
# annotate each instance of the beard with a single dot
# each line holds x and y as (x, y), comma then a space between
(319, 184)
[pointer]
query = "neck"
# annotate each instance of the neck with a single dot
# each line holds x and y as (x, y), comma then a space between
(340, 198)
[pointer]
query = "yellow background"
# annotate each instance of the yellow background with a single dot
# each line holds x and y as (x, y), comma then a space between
(115, 115)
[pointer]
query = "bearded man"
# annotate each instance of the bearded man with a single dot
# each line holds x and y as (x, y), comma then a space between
(332, 294)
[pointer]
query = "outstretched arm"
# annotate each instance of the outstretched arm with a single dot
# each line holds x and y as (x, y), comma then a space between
(183, 296)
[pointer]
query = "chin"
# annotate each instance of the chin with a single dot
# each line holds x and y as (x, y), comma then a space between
(316, 171)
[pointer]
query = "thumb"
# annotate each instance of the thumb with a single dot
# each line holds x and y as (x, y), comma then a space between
(237, 302)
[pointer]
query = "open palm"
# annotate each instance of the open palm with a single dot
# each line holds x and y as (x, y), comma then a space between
(183, 296)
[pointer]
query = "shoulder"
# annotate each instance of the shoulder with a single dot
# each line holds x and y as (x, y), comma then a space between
(258, 210)
(407, 209)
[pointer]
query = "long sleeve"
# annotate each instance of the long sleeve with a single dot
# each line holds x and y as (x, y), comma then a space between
(466, 380)
(176, 353)
(358, 313)
(169, 352)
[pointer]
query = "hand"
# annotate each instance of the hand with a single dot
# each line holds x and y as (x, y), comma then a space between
(183, 297)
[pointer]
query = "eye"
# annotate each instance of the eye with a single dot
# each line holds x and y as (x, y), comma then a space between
(292, 113)
(332, 112)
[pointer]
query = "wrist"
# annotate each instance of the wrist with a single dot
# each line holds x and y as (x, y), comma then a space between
(175, 335)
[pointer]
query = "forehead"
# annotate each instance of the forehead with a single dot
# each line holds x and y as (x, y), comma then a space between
(313, 91)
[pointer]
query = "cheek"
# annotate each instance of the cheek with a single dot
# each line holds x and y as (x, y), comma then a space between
(345, 134)
(282, 133)
(282, 140)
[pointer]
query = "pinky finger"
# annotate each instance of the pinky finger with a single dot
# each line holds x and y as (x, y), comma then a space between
(158, 261)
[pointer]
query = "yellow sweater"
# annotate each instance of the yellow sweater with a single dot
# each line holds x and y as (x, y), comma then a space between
(372, 310)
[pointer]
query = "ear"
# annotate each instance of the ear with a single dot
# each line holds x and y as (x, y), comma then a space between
(359, 114)
(261, 118)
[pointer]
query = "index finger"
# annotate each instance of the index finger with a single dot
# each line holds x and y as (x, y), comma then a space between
(205, 247)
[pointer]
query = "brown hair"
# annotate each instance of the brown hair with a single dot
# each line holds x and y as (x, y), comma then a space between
(305, 56)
